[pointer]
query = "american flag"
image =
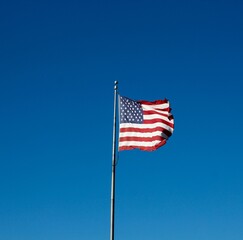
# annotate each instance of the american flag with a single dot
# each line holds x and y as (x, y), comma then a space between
(144, 125)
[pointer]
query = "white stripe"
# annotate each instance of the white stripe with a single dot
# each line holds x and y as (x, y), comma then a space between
(139, 144)
(155, 106)
(153, 116)
(165, 112)
(137, 134)
(142, 126)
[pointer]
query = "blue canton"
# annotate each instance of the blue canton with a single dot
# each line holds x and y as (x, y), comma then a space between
(130, 111)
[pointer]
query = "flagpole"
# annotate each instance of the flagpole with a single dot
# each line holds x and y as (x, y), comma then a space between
(114, 150)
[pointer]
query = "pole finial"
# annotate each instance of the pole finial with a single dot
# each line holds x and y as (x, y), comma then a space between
(115, 84)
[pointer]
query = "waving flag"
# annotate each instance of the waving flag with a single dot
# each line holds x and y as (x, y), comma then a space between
(144, 125)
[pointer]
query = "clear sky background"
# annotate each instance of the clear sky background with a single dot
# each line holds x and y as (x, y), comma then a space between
(58, 63)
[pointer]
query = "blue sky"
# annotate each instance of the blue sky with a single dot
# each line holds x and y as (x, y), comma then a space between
(58, 63)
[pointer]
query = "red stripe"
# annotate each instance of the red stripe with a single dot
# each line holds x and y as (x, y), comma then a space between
(154, 102)
(146, 130)
(140, 139)
(159, 109)
(151, 112)
(153, 148)
(158, 120)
